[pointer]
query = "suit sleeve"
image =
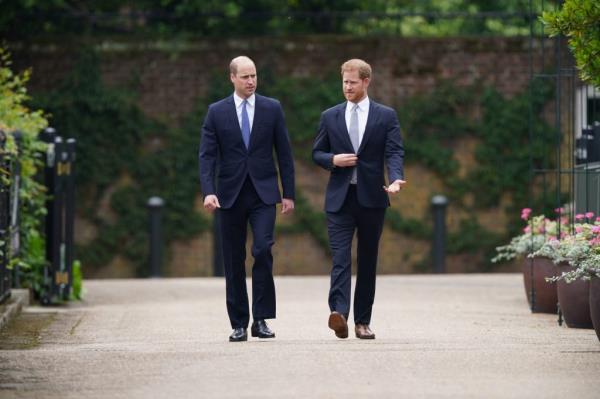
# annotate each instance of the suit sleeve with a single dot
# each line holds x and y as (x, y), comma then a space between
(207, 156)
(285, 158)
(321, 153)
(394, 150)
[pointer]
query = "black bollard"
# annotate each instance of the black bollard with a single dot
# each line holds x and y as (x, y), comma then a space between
(439, 204)
(155, 206)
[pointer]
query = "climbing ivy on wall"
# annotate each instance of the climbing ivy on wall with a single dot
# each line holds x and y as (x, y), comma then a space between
(137, 157)
(118, 145)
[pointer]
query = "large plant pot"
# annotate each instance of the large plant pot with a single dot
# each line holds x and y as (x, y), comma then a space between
(595, 304)
(574, 300)
(544, 293)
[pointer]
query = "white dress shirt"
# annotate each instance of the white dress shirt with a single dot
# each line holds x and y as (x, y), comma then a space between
(249, 108)
(363, 113)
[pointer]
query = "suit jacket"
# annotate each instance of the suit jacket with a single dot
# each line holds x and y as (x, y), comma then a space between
(381, 142)
(222, 148)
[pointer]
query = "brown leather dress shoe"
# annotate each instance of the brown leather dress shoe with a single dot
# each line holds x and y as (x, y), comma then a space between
(363, 331)
(337, 322)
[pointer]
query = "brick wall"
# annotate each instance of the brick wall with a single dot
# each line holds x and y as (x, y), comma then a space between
(173, 75)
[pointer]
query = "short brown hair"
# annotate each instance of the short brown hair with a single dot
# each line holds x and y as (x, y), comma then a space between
(355, 64)
(233, 65)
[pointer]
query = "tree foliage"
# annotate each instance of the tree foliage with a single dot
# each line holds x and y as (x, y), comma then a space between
(188, 18)
(116, 142)
(579, 21)
(15, 116)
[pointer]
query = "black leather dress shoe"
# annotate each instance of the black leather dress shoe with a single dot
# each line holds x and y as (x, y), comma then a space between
(261, 330)
(238, 335)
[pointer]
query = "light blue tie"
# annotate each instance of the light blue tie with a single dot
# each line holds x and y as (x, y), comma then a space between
(245, 124)
(353, 132)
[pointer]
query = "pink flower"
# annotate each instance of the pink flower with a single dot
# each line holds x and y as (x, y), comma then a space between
(579, 216)
(559, 210)
(527, 229)
(589, 215)
(598, 219)
(525, 212)
(596, 229)
(578, 229)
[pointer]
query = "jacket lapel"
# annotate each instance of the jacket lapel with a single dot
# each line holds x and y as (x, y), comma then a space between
(371, 120)
(341, 122)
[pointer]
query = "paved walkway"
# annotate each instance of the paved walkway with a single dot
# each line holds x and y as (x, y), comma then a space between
(467, 336)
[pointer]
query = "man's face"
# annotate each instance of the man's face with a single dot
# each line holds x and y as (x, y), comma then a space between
(355, 88)
(244, 81)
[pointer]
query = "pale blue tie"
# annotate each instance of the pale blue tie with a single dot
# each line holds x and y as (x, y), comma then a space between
(245, 124)
(353, 133)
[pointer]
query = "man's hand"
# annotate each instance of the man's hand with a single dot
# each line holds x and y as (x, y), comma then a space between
(395, 186)
(287, 206)
(211, 202)
(345, 160)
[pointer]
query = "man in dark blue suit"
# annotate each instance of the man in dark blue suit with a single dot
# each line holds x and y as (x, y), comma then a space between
(239, 135)
(354, 141)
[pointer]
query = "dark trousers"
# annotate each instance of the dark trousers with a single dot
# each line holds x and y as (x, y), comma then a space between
(248, 207)
(341, 225)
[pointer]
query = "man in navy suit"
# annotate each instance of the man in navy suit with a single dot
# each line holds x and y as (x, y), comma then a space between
(239, 135)
(354, 141)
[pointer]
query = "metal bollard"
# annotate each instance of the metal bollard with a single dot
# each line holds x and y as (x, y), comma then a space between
(438, 249)
(155, 206)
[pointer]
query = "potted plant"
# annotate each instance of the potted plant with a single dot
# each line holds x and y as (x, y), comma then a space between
(574, 253)
(590, 270)
(541, 294)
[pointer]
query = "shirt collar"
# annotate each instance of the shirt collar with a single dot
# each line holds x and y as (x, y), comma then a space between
(363, 105)
(238, 100)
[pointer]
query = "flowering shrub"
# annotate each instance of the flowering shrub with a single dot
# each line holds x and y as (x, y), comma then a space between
(539, 231)
(579, 248)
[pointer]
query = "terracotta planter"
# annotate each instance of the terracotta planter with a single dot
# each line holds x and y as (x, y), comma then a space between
(544, 293)
(595, 304)
(574, 300)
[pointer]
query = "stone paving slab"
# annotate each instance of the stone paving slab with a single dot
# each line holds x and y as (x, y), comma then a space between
(442, 336)
(12, 306)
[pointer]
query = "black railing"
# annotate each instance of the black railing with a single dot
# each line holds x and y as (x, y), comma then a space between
(60, 182)
(568, 178)
(5, 167)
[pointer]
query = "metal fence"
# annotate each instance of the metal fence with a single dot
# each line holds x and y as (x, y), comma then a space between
(5, 273)
(59, 179)
(567, 182)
